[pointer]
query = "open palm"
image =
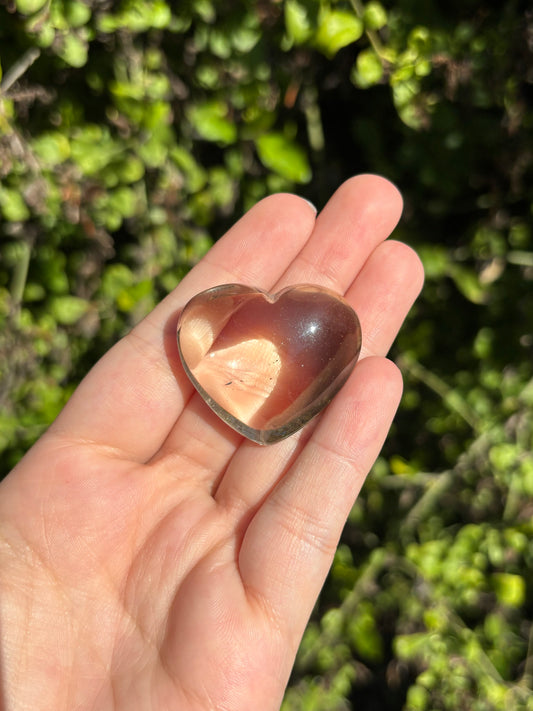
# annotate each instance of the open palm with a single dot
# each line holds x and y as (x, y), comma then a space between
(150, 558)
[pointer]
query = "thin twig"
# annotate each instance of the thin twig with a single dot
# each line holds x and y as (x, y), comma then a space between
(527, 677)
(402, 481)
(427, 502)
(441, 388)
(20, 67)
(363, 585)
(459, 628)
(522, 258)
(20, 276)
(372, 36)
(440, 483)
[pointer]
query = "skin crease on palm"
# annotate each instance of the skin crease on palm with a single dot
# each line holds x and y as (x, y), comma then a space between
(150, 557)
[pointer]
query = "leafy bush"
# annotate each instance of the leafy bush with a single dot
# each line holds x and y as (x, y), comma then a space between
(133, 133)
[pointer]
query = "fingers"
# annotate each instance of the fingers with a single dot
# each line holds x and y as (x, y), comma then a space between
(358, 217)
(361, 214)
(289, 544)
(382, 295)
(132, 397)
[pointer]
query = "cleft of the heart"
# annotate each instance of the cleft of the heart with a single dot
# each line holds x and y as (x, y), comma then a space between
(268, 363)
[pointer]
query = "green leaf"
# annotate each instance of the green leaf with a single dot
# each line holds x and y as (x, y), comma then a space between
(34, 292)
(67, 310)
(52, 148)
(332, 622)
(467, 281)
(124, 201)
(12, 205)
(411, 646)
(245, 39)
(220, 44)
(74, 50)
(194, 175)
(298, 21)
(510, 589)
(161, 14)
(374, 16)
(417, 698)
(364, 633)
(420, 40)
(205, 9)
(83, 143)
(128, 298)
(211, 121)
(368, 69)
(337, 29)
(117, 277)
(436, 260)
(504, 456)
(221, 186)
(284, 156)
(131, 170)
(399, 466)
(30, 7)
(139, 17)
(77, 14)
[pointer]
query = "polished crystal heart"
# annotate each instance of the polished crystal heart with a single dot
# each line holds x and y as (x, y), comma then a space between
(268, 363)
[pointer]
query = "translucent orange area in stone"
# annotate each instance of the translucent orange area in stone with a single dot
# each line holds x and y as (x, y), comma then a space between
(241, 378)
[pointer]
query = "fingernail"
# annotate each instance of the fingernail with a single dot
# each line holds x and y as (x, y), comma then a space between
(309, 203)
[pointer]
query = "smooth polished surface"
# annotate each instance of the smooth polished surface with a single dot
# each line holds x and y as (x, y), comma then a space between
(267, 364)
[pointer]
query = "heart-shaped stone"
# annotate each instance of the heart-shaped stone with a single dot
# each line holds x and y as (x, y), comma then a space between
(268, 363)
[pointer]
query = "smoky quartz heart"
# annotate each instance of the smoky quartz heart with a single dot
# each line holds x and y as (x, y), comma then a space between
(268, 363)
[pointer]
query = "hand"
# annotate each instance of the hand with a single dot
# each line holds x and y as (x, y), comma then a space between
(150, 558)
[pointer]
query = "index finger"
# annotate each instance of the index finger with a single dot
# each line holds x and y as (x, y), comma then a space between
(132, 397)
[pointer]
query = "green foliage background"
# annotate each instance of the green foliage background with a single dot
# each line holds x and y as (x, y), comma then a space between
(133, 133)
